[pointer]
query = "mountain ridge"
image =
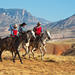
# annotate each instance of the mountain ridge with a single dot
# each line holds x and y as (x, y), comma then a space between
(18, 16)
(65, 27)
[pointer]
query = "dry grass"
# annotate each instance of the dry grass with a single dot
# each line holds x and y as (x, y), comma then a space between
(60, 58)
(64, 41)
(50, 65)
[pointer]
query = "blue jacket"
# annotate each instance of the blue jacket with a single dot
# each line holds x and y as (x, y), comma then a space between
(11, 29)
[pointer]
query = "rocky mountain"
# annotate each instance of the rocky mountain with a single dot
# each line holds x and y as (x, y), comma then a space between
(64, 27)
(12, 16)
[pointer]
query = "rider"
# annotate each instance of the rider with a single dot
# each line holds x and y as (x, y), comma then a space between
(21, 27)
(11, 27)
(38, 30)
(15, 31)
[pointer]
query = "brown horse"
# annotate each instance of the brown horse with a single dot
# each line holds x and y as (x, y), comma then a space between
(39, 43)
(12, 44)
(30, 37)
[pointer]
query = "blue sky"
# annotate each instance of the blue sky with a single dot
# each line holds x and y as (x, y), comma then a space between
(52, 10)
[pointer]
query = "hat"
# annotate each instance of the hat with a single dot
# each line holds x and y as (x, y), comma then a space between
(24, 23)
(38, 23)
(15, 25)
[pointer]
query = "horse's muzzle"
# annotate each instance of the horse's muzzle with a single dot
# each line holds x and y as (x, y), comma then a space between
(49, 38)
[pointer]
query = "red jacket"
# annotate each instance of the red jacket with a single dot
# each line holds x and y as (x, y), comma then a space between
(15, 32)
(38, 30)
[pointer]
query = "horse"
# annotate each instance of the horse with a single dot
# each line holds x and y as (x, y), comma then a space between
(39, 43)
(12, 44)
(25, 45)
(30, 37)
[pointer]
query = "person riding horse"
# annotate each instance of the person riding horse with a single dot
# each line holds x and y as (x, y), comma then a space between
(21, 27)
(15, 31)
(11, 28)
(38, 31)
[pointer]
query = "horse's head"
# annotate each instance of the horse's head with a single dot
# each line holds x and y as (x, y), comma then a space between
(45, 36)
(31, 34)
(48, 34)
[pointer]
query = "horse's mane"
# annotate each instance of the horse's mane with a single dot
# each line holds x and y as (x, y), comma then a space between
(42, 34)
(28, 31)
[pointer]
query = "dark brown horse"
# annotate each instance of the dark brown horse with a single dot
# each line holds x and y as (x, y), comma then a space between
(40, 43)
(12, 44)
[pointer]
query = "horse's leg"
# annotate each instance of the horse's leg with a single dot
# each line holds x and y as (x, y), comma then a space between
(42, 54)
(32, 51)
(14, 57)
(27, 47)
(44, 47)
(12, 54)
(26, 50)
(19, 56)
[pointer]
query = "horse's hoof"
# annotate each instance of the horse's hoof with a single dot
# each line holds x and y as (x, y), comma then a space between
(21, 62)
(14, 61)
